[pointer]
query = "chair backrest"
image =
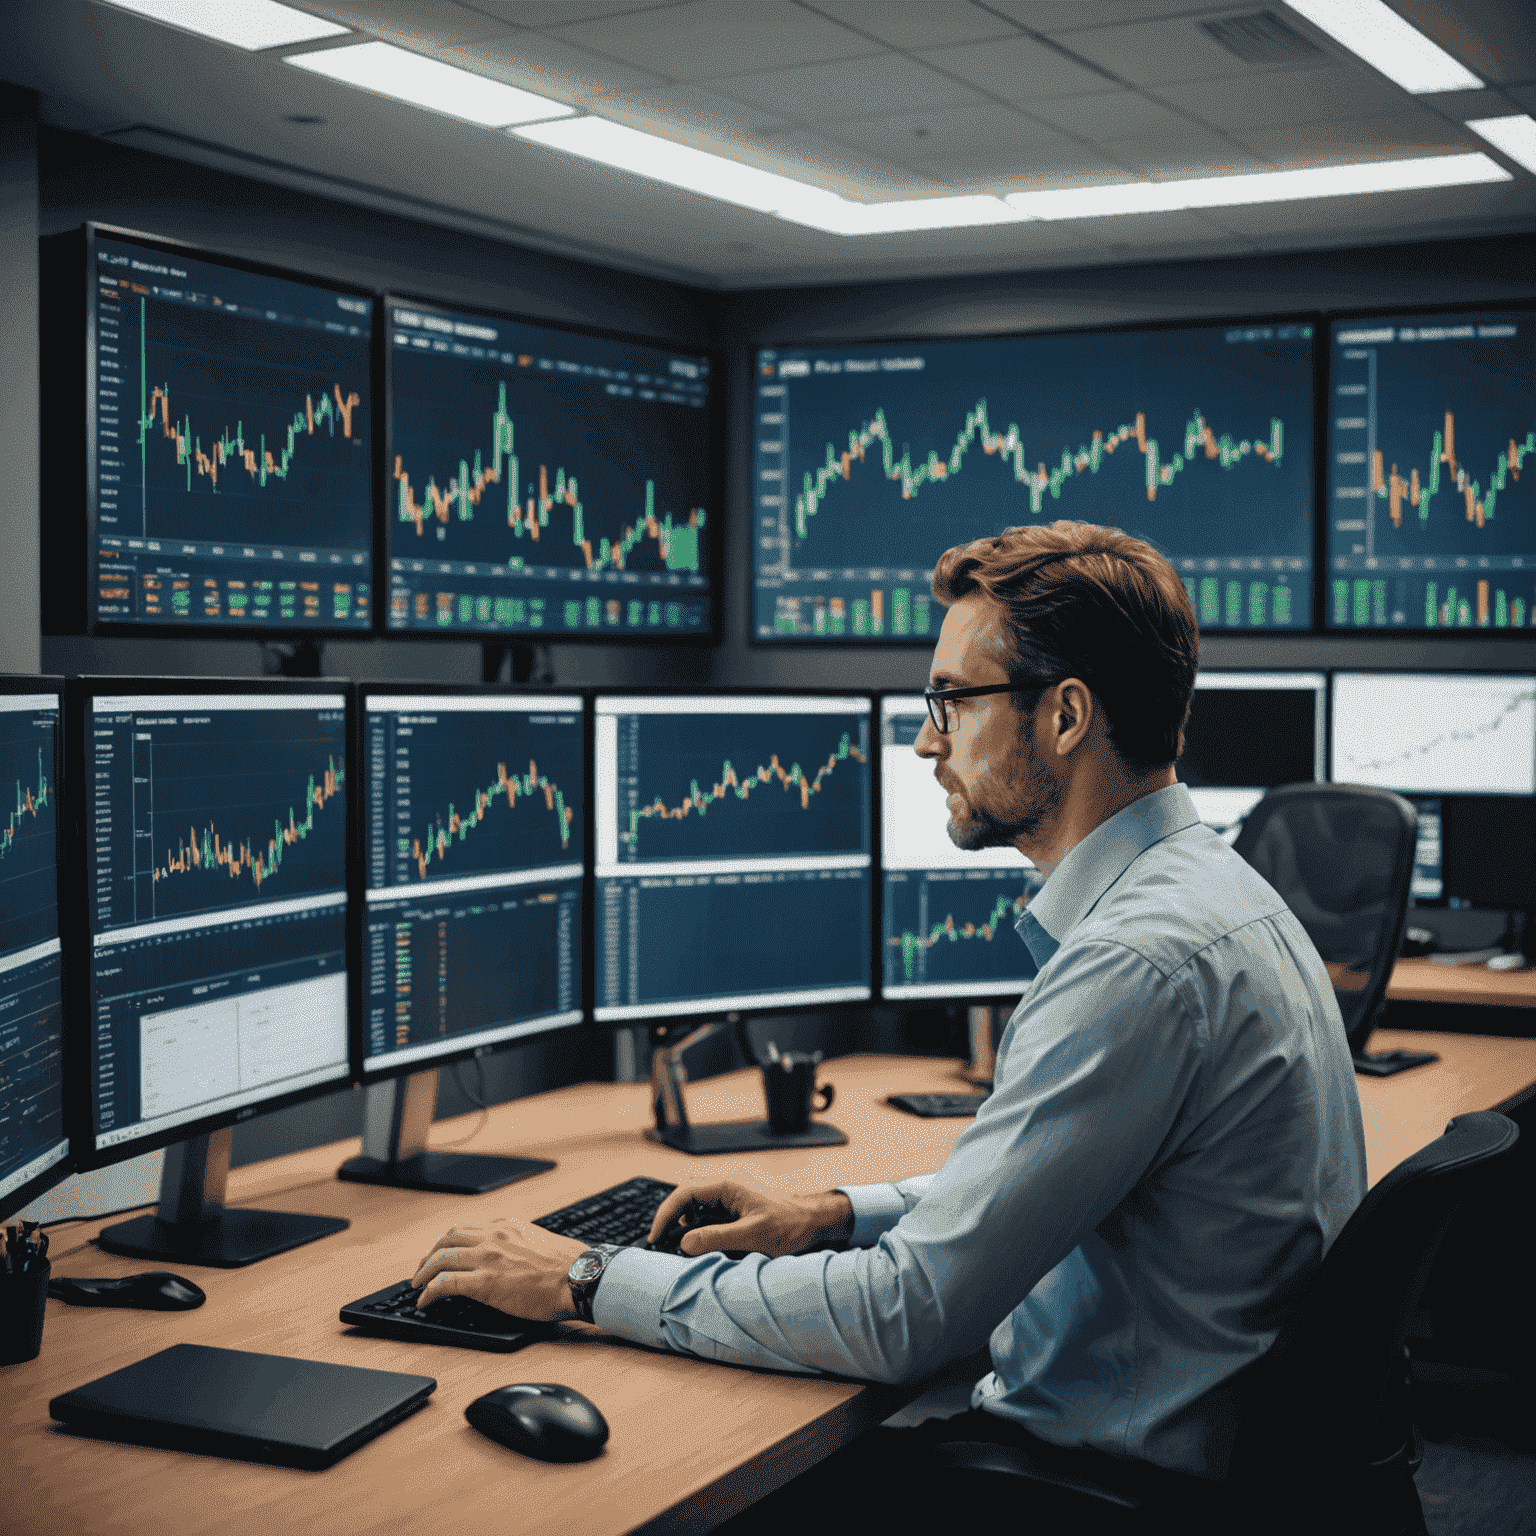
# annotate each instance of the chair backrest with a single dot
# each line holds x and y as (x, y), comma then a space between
(1341, 857)
(1330, 1390)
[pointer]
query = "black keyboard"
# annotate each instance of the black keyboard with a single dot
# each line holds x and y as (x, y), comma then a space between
(938, 1106)
(453, 1320)
(619, 1215)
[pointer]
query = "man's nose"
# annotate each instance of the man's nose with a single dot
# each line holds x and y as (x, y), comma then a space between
(929, 742)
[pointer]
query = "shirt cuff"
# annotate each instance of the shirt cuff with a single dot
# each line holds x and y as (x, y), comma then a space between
(628, 1300)
(876, 1209)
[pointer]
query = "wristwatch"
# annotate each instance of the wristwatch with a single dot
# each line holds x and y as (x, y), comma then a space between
(584, 1274)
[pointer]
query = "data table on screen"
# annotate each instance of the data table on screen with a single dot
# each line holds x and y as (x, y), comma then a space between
(474, 844)
(216, 838)
(1431, 421)
(233, 473)
(870, 461)
(544, 480)
(733, 853)
(1425, 733)
(949, 913)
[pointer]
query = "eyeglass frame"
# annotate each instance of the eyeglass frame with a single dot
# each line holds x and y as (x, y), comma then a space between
(937, 699)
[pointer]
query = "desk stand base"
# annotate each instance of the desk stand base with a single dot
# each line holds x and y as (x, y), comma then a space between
(744, 1136)
(444, 1173)
(1390, 1063)
(236, 1238)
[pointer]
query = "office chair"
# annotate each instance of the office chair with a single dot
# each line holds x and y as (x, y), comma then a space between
(1323, 1440)
(1341, 857)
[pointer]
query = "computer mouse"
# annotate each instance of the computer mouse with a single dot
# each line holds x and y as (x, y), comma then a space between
(695, 1213)
(1512, 962)
(540, 1419)
(157, 1290)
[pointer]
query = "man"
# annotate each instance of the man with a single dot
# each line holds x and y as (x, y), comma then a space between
(1174, 1137)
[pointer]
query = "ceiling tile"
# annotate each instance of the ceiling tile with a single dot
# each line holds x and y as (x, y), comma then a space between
(1399, 135)
(1110, 115)
(1189, 151)
(1018, 69)
(1291, 96)
(690, 113)
(1158, 52)
(419, 25)
(849, 88)
(559, 13)
(983, 143)
(917, 23)
(551, 66)
(859, 174)
(1074, 15)
(708, 38)
(1494, 38)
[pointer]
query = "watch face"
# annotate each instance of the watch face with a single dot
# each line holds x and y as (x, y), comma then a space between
(587, 1266)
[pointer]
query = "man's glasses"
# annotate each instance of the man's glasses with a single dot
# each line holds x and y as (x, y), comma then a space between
(938, 701)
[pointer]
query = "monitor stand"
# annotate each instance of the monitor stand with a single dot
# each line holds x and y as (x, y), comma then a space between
(194, 1226)
(397, 1117)
(672, 1125)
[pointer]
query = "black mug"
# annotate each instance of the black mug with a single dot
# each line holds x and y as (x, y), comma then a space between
(23, 1300)
(789, 1086)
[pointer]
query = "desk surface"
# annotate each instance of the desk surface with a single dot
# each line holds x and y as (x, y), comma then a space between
(1420, 980)
(692, 1442)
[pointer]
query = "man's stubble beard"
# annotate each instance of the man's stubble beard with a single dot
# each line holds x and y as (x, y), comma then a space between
(1035, 798)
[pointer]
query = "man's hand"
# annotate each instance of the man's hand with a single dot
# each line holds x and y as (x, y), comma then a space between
(764, 1223)
(516, 1268)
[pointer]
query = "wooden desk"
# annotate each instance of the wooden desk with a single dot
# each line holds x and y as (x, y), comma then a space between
(692, 1442)
(1421, 981)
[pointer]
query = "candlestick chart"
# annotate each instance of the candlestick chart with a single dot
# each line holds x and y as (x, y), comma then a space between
(1432, 511)
(742, 786)
(870, 461)
(28, 827)
(218, 809)
(474, 793)
(955, 928)
(535, 459)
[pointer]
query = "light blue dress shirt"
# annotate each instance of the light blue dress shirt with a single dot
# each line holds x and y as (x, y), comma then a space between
(1173, 1141)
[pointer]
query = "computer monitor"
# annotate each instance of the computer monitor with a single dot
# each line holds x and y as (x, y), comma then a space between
(212, 936)
(947, 926)
(474, 845)
(34, 1143)
(871, 459)
(733, 864)
(1249, 732)
(229, 445)
(546, 483)
(1462, 748)
(1431, 420)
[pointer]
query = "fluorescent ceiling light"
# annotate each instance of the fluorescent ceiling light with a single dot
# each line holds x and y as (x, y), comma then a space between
(1516, 136)
(249, 24)
(429, 83)
(696, 170)
(1261, 187)
(1374, 31)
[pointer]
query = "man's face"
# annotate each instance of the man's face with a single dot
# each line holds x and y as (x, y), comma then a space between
(1000, 788)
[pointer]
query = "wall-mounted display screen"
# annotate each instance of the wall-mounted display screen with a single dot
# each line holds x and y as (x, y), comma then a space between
(1431, 508)
(544, 481)
(231, 444)
(870, 461)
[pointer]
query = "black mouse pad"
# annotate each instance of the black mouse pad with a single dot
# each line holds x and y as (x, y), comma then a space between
(226, 1402)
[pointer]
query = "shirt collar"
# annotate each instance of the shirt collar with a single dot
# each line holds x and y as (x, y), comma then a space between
(1094, 865)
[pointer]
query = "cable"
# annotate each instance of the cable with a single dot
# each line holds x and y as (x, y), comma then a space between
(480, 1101)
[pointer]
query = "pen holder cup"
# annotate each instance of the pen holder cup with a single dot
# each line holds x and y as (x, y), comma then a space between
(789, 1088)
(23, 1300)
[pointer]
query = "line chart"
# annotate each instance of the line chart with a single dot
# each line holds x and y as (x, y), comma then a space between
(1200, 441)
(533, 785)
(29, 803)
(911, 945)
(1480, 504)
(208, 850)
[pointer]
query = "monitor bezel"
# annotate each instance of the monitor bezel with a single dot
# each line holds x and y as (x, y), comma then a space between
(1317, 361)
(117, 628)
(1324, 624)
(868, 696)
(1334, 673)
(40, 1184)
(715, 416)
(79, 1118)
(357, 913)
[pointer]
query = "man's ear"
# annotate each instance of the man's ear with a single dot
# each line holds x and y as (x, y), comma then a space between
(1072, 714)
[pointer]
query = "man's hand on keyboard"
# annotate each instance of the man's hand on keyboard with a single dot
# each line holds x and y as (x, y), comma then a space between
(516, 1268)
(763, 1222)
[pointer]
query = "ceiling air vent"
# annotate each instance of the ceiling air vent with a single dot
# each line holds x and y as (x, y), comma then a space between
(1261, 37)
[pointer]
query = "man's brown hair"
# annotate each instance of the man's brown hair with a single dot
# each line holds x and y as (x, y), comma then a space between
(1093, 603)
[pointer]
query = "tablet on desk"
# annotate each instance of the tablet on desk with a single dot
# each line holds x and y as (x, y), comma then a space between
(227, 1402)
